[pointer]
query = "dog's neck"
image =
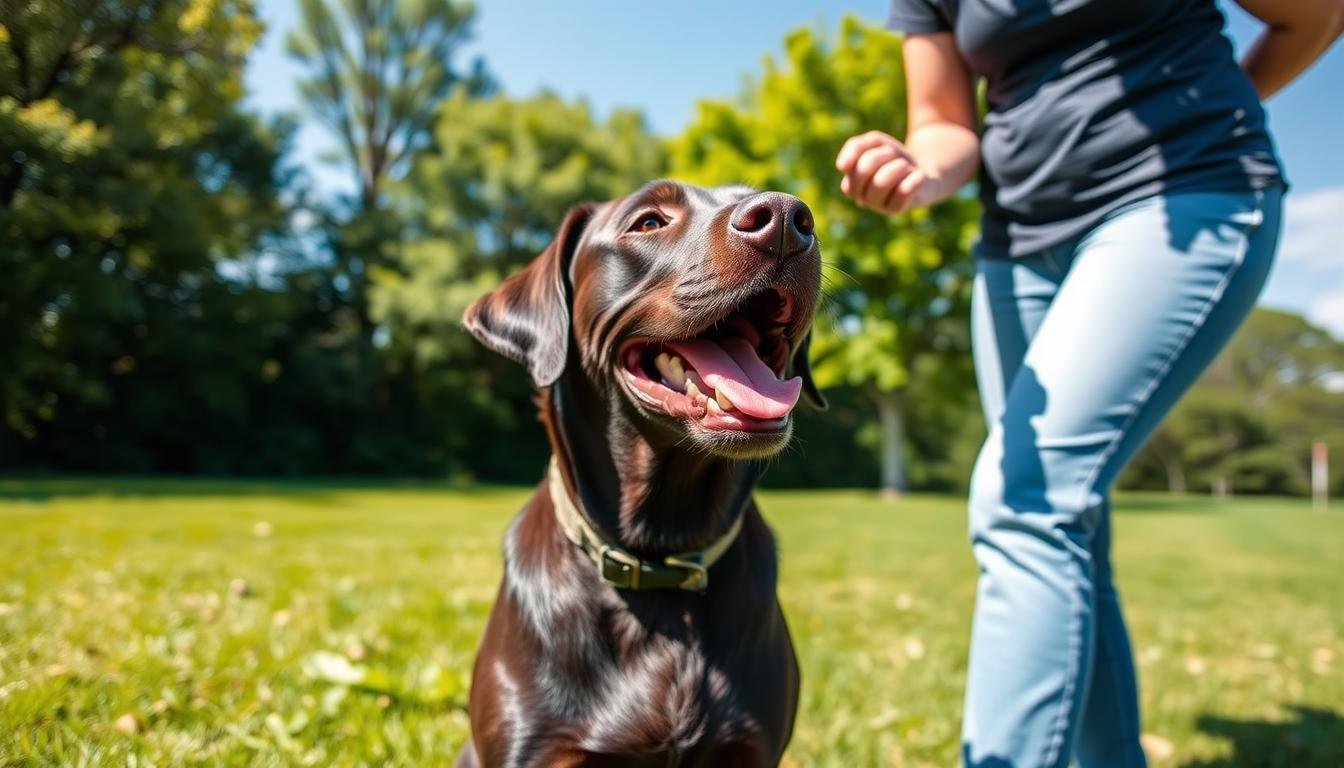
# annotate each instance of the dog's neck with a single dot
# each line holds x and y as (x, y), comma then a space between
(648, 497)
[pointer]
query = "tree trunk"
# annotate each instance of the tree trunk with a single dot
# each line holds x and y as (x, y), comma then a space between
(1171, 462)
(891, 415)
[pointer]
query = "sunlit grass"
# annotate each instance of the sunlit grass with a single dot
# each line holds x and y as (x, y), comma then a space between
(186, 623)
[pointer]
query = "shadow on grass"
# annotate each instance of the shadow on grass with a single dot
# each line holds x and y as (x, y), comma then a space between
(1314, 738)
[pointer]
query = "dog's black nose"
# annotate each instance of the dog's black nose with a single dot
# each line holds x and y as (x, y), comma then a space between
(775, 223)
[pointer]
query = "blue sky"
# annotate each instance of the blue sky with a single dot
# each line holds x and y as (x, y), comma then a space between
(663, 57)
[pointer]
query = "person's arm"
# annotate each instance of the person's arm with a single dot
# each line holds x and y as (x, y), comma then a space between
(1298, 32)
(941, 150)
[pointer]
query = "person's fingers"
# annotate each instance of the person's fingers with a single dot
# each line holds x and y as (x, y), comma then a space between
(855, 146)
(875, 158)
(912, 182)
(893, 173)
(885, 181)
(907, 194)
(848, 185)
(867, 164)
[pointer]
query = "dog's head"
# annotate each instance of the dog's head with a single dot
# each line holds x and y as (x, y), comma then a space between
(689, 307)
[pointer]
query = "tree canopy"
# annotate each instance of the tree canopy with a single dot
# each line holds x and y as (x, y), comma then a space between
(174, 297)
(378, 70)
(130, 174)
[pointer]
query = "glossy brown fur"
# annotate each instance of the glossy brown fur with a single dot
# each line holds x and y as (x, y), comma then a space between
(570, 671)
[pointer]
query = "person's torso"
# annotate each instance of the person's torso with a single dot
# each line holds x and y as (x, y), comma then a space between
(1094, 103)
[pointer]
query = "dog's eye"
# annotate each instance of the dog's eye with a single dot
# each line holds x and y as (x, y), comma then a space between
(648, 222)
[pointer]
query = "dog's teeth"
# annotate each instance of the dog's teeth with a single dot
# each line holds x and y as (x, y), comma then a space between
(678, 377)
(661, 363)
(692, 391)
(723, 400)
(712, 406)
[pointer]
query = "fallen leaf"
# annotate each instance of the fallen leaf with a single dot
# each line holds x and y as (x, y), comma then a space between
(356, 651)
(276, 725)
(884, 719)
(332, 698)
(1265, 651)
(914, 648)
(127, 724)
(1322, 659)
(1195, 665)
(334, 668)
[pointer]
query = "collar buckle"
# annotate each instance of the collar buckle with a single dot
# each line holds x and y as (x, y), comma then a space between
(697, 576)
(617, 567)
(621, 569)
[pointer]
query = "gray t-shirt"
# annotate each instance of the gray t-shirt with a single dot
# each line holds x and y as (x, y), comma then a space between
(1097, 103)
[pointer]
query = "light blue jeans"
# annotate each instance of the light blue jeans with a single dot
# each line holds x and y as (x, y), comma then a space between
(1080, 350)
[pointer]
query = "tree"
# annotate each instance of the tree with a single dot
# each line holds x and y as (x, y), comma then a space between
(482, 200)
(379, 69)
(1249, 422)
(129, 175)
(898, 288)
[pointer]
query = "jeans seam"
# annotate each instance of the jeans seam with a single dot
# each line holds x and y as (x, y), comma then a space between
(1052, 748)
(1146, 396)
(1117, 684)
(1105, 456)
(1049, 254)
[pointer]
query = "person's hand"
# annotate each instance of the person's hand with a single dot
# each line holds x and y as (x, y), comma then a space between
(881, 174)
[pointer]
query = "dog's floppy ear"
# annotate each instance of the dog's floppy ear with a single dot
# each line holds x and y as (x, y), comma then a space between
(800, 367)
(526, 318)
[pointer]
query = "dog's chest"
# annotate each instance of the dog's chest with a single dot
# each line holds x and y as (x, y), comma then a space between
(665, 696)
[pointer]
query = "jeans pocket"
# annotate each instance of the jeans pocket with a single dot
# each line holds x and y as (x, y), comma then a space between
(1250, 218)
(1215, 222)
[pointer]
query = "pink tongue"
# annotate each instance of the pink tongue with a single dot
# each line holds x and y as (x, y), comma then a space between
(732, 367)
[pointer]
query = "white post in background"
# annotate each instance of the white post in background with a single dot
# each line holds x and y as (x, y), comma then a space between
(1319, 474)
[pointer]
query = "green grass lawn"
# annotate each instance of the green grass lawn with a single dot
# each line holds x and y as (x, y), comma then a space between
(182, 623)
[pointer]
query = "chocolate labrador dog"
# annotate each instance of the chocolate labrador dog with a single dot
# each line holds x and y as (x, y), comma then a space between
(637, 622)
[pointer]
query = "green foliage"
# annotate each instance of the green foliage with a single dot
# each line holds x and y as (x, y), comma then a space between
(129, 176)
(481, 201)
(486, 198)
(248, 624)
(1249, 423)
(378, 70)
(161, 312)
(898, 288)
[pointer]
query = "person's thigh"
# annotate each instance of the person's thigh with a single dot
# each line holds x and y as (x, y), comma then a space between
(1009, 301)
(1149, 298)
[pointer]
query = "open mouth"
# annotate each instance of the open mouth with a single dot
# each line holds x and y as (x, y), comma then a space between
(729, 376)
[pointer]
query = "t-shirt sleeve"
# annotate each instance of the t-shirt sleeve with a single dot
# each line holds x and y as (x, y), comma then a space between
(917, 17)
